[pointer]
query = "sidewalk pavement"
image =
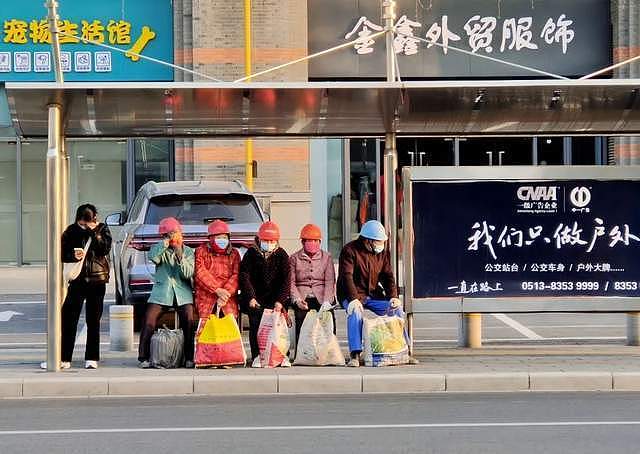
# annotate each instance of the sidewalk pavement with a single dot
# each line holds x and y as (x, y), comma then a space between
(497, 369)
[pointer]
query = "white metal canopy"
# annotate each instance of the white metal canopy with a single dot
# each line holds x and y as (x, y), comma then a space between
(338, 109)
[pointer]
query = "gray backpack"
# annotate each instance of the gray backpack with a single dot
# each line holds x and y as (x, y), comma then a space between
(167, 348)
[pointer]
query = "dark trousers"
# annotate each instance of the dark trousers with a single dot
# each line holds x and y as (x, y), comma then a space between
(314, 304)
(77, 293)
(255, 315)
(187, 317)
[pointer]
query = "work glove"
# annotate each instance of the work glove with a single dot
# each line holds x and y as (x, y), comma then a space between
(326, 306)
(354, 305)
(395, 303)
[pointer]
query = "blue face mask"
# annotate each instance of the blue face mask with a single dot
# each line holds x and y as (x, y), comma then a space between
(267, 247)
(222, 243)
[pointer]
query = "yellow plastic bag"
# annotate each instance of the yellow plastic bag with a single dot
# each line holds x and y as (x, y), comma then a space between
(219, 342)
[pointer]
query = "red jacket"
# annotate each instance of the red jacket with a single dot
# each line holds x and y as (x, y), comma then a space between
(214, 271)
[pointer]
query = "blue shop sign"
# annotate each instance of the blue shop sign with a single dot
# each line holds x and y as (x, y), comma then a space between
(143, 27)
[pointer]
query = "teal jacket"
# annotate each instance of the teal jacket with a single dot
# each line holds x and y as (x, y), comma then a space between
(173, 278)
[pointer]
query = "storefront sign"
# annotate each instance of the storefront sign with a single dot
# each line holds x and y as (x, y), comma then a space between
(142, 27)
(533, 238)
(571, 37)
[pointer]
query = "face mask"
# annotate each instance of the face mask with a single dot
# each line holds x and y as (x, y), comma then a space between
(220, 243)
(267, 247)
(311, 248)
(377, 248)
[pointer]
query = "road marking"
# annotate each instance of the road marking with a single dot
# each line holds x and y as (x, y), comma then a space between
(17, 303)
(442, 328)
(321, 427)
(519, 327)
(8, 315)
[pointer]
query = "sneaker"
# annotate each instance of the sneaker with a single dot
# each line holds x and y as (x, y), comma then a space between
(89, 364)
(63, 365)
(144, 365)
(413, 361)
(189, 365)
(353, 362)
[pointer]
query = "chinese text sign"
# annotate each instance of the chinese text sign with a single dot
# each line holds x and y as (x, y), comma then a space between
(143, 27)
(572, 37)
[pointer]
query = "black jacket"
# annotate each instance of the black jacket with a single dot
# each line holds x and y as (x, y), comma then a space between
(265, 279)
(96, 265)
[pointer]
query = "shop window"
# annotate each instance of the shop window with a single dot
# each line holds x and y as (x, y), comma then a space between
(425, 152)
(364, 177)
(583, 150)
(550, 151)
(34, 201)
(8, 199)
(496, 151)
(152, 161)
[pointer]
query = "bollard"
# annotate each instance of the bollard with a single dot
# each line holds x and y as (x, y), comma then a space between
(470, 331)
(633, 328)
(121, 327)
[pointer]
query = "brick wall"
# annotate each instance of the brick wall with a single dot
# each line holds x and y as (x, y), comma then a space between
(625, 17)
(209, 38)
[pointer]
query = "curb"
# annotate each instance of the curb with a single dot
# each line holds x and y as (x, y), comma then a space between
(365, 383)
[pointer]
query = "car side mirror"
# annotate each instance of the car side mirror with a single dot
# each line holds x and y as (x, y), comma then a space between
(114, 219)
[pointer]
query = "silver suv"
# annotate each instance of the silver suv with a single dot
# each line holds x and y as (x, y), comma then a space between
(195, 204)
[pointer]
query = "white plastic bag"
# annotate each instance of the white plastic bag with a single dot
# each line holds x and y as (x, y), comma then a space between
(72, 270)
(273, 339)
(317, 345)
(384, 341)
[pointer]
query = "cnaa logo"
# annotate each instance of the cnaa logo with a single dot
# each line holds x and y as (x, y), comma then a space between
(538, 193)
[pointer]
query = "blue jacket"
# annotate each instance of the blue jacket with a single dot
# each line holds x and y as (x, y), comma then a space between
(173, 278)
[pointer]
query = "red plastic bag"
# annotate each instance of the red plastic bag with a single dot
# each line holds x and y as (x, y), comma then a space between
(273, 339)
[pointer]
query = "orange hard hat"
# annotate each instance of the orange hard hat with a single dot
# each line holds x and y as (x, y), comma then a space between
(218, 227)
(310, 232)
(269, 231)
(168, 225)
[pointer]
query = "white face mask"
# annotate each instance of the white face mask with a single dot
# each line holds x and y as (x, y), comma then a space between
(266, 246)
(376, 248)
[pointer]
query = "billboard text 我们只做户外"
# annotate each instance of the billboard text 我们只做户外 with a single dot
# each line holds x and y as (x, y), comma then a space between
(143, 27)
(528, 238)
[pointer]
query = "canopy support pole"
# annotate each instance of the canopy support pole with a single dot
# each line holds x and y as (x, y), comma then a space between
(390, 215)
(390, 152)
(52, 7)
(55, 200)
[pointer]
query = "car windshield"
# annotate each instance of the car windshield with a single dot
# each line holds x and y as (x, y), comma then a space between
(202, 209)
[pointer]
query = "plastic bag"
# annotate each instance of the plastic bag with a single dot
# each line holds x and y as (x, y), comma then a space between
(273, 339)
(72, 270)
(317, 345)
(384, 341)
(167, 348)
(219, 342)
